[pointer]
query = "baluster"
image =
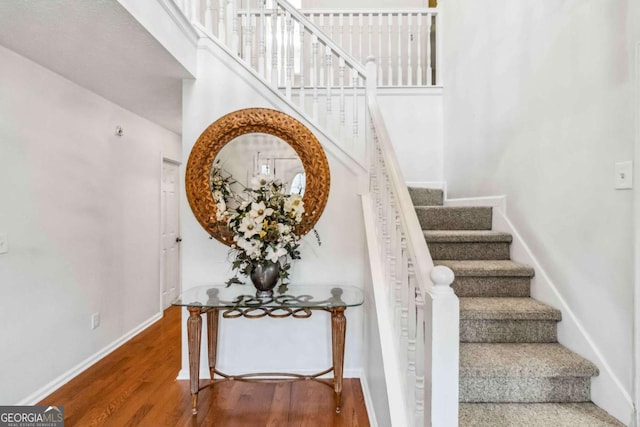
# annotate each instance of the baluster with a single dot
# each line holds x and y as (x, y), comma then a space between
(261, 40)
(354, 79)
(409, 50)
(404, 320)
(420, 358)
(222, 29)
(360, 26)
(389, 53)
(246, 38)
(195, 4)
(289, 79)
(370, 35)
(208, 17)
(403, 279)
(380, 49)
(399, 49)
(235, 36)
(274, 45)
(429, 70)
(329, 62)
(411, 345)
(341, 29)
(302, 66)
(419, 52)
(351, 34)
(283, 50)
(330, 30)
(314, 74)
(321, 63)
(253, 41)
(341, 77)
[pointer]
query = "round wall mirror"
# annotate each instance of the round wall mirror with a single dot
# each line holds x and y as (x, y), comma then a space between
(251, 142)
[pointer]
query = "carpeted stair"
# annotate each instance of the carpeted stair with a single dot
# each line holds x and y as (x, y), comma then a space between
(513, 372)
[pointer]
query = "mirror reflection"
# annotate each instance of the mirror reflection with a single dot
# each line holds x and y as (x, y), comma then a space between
(258, 154)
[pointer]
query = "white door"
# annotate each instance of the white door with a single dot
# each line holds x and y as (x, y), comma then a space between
(170, 270)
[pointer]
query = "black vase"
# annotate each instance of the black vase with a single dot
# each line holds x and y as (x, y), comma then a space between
(264, 277)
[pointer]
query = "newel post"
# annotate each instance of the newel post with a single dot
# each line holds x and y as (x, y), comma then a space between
(445, 349)
(371, 87)
(372, 75)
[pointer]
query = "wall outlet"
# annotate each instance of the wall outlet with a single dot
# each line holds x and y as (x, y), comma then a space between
(95, 320)
(4, 243)
(624, 175)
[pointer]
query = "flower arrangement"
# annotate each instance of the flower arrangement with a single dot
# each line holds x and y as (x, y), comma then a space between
(263, 224)
(220, 189)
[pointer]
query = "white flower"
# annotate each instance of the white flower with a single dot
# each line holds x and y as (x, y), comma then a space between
(260, 181)
(294, 206)
(273, 254)
(251, 247)
(221, 210)
(217, 196)
(259, 211)
(249, 227)
(284, 229)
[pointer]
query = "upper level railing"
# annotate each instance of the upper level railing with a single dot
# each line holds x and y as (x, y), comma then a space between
(403, 41)
(291, 53)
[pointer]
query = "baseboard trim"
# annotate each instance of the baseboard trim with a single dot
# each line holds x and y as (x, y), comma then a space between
(45, 391)
(438, 185)
(368, 401)
(499, 202)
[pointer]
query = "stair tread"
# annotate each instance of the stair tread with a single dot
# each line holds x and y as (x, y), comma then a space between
(506, 308)
(466, 236)
(522, 360)
(584, 414)
(487, 268)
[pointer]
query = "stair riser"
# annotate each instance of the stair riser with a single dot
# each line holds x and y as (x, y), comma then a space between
(426, 197)
(520, 331)
(515, 389)
(469, 251)
(471, 218)
(471, 286)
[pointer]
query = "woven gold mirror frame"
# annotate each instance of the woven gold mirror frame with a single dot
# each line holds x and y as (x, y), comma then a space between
(255, 120)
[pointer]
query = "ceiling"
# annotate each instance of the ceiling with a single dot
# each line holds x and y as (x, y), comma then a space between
(100, 46)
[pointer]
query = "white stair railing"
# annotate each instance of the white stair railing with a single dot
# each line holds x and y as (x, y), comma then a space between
(404, 41)
(292, 54)
(418, 311)
(423, 309)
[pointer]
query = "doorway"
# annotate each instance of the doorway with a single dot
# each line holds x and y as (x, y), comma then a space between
(170, 233)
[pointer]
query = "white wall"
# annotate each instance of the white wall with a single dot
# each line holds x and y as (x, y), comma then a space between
(538, 105)
(272, 344)
(81, 210)
(414, 121)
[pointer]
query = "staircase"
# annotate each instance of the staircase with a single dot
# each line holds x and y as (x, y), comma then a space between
(513, 372)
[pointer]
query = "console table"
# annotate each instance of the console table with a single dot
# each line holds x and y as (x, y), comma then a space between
(240, 301)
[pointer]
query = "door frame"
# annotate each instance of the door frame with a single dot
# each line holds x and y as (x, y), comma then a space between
(163, 160)
(636, 244)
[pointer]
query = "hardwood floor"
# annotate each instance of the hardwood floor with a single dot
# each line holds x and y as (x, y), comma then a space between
(136, 386)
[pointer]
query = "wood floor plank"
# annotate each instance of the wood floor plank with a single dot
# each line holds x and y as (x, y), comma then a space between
(135, 386)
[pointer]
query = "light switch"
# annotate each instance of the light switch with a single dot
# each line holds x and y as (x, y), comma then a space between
(4, 243)
(624, 175)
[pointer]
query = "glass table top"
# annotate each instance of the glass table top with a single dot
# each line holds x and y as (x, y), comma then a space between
(294, 296)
